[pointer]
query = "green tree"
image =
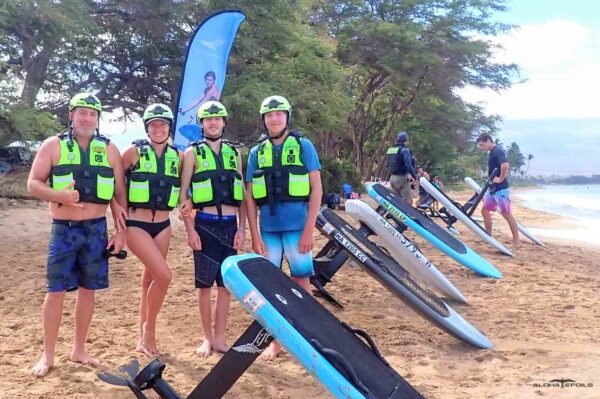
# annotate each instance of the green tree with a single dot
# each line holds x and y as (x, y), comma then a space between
(21, 122)
(516, 159)
(529, 158)
(34, 34)
(336, 172)
(277, 52)
(400, 52)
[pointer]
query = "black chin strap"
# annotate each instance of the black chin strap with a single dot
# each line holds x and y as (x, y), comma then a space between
(70, 134)
(279, 135)
(213, 139)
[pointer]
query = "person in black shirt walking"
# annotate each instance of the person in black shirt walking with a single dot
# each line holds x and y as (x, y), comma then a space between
(498, 196)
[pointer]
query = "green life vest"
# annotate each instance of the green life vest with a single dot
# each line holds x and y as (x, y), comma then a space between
(94, 178)
(216, 180)
(280, 177)
(153, 183)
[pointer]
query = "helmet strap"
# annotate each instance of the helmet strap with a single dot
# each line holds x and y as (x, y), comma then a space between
(213, 139)
(70, 134)
(278, 135)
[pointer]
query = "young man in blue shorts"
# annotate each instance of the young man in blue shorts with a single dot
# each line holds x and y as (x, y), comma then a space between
(212, 168)
(84, 172)
(498, 196)
(284, 179)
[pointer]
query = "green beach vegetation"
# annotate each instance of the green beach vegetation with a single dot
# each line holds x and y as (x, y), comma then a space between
(356, 71)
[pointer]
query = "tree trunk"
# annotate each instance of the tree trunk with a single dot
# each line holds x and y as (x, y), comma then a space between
(35, 75)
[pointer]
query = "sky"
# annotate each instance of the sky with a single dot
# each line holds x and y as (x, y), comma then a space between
(557, 46)
(554, 113)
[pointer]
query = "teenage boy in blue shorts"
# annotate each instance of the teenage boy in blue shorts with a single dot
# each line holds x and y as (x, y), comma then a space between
(284, 178)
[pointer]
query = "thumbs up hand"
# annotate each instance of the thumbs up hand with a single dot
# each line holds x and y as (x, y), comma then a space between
(69, 197)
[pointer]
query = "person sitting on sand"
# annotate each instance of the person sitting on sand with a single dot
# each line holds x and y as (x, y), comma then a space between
(153, 168)
(284, 178)
(84, 171)
(498, 196)
(212, 168)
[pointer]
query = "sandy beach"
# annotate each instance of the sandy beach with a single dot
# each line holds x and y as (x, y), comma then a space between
(543, 317)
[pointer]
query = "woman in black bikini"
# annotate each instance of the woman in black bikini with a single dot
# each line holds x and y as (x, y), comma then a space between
(153, 180)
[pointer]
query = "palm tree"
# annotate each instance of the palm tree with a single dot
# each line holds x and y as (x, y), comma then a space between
(529, 158)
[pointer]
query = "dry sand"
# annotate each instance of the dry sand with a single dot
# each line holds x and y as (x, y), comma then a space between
(543, 317)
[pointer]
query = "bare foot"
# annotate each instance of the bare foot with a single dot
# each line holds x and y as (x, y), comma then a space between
(43, 366)
(150, 352)
(149, 342)
(84, 358)
(220, 346)
(516, 245)
(205, 349)
(271, 352)
(140, 345)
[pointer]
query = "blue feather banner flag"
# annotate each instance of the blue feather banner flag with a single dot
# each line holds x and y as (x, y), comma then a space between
(204, 71)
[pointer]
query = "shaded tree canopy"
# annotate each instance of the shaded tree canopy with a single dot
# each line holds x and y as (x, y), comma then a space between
(356, 72)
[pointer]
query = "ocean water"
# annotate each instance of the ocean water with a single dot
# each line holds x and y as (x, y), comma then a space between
(581, 203)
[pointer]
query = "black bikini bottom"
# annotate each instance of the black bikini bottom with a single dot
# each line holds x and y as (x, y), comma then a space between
(151, 228)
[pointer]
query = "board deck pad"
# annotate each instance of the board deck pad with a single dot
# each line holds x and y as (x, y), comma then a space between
(459, 207)
(457, 210)
(419, 218)
(401, 249)
(382, 260)
(395, 207)
(398, 281)
(317, 325)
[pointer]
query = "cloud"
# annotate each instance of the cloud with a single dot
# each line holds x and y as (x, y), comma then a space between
(121, 132)
(548, 44)
(560, 61)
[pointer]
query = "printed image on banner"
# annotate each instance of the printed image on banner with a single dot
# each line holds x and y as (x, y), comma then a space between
(204, 72)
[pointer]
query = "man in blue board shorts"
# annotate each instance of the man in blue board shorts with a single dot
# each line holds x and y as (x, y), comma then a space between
(212, 169)
(284, 179)
(78, 172)
(498, 195)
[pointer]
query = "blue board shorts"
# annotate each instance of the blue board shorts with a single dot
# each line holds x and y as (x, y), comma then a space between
(76, 255)
(286, 242)
(500, 200)
(217, 237)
